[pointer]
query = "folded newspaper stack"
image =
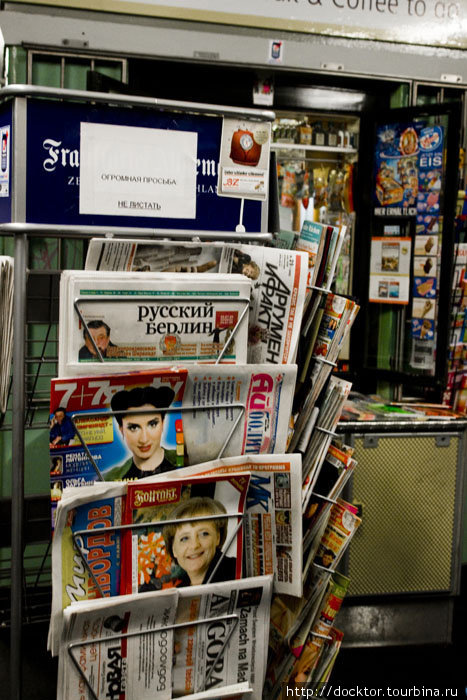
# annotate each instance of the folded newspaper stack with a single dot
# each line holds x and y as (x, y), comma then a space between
(122, 322)
(173, 643)
(279, 283)
(272, 522)
(6, 315)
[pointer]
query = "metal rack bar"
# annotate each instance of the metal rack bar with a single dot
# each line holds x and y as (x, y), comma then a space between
(17, 464)
(135, 101)
(70, 231)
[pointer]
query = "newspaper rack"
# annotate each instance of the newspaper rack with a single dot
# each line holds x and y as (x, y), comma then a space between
(169, 409)
(234, 618)
(139, 526)
(166, 297)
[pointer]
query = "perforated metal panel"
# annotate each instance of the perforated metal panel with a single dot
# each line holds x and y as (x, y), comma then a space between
(407, 488)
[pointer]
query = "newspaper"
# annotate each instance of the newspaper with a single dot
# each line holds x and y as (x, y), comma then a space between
(133, 667)
(86, 445)
(279, 282)
(125, 321)
(91, 567)
(187, 532)
(272, 523)
(257, 403)
(197, 647)
(280, 278)
(6, 316)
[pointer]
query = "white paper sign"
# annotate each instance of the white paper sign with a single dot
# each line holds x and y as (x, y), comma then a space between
(137, 171)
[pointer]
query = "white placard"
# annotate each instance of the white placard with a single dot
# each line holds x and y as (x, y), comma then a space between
(137, 171)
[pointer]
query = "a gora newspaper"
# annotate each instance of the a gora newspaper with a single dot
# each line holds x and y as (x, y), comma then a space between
(273, 525)
(245, 410)
(86, 562)
(279, 280)
(118, 667)
(123, 321)
(187, 532)
(244, 657)
(129, 445)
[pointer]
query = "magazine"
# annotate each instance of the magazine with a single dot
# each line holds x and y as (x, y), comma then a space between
(87, 445)
(85, 564)
(186, 532)
(272, 523)
(306, 635)
(123, 322)
(279, 280)
(337, 468)
(122, 648)
(256, 403)
(325, 554)
(244, 660)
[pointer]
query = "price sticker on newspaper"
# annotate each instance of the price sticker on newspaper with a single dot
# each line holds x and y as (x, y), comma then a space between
(243, 182)
(244, 159)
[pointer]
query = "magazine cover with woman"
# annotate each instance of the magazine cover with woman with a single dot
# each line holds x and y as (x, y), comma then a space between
(144, 436)
(187, 532)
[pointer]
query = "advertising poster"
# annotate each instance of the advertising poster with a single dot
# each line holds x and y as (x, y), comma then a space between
(390, 270)
(244, 159)
(396, 170)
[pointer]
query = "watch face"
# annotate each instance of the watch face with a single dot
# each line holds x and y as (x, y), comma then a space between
(246, 142)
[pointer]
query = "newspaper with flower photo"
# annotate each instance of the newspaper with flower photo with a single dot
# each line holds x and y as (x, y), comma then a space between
(184, 532)
(123, 322)
(272, 523)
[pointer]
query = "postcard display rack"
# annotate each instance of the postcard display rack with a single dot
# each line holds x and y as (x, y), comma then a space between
(55, 142)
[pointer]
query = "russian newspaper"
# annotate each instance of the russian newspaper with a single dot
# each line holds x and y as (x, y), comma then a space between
(279, 282)
(272, 522)
(237, 410)
(245, 607)
(86, 562)
(118, 649)
(185, 531)
(123, 322)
